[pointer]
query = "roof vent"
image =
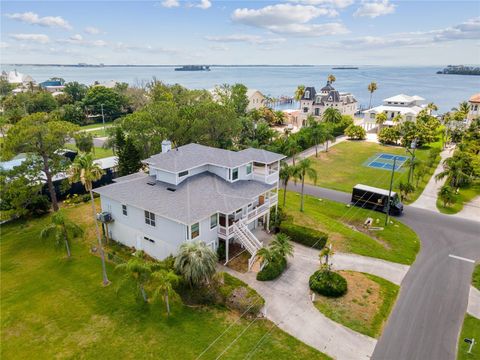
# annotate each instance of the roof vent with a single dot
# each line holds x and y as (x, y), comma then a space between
(151, 182)
(171, 189)
(166, 146)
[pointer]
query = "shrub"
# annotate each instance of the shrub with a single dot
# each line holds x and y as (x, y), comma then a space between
(273, 269)
(328, 283)
(389, 135)
(86, 198)
(303, 235)
(245, 300)
(356, 132)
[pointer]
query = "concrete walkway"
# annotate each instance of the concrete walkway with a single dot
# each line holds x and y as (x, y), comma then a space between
(428, 199)
(311, 151)
(474, 302)
(289, 305)
(471, 210)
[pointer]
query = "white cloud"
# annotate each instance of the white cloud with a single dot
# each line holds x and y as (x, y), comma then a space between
(78, 39)
(33, 18)
(204, 4)
(469, 29)
(170, 3)
(252, 39)
(333, 3)
(375, 8)
(311, 29)
(219, 48)
(280, 14)
(38, 38)
(92, 30)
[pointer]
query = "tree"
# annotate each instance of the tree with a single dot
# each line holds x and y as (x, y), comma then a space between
(72, 113)
(457, 169)
(76, 90)
(100, 96)
(292, 148)
(317, 132)
(432, 107)
(234, 96)
(332, 115)
(299, 92)
(446, 195)
(84, 141)
(372, 87)
(328, 136)
(138, 271)
(164, 282)
(267, 254)
(303, 169)
(464, 109)
(281, 244)
(356, 132)
(129, 160)
(41, 101)
(61, 230)
(39, 135)
(86, 171)
(420, 173)
(326, 253)
(286, 173)
(380, 119)
(196, 262)
(405, 189)
(331, 78)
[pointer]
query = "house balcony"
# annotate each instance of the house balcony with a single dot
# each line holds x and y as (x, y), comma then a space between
(266, 174)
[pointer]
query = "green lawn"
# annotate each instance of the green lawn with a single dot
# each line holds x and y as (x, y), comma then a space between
(344, 166)
(476, 278)
(464, 196)
(397, 242)
(470, 329)
(56, 308)
(366, 306)
(95, 126)
(98, 152)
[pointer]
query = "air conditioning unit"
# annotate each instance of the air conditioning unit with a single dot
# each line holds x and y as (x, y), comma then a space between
(104, 217)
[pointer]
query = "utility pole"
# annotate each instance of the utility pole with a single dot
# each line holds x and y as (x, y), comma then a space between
(413, 146)
(390, 191)
(103, 120)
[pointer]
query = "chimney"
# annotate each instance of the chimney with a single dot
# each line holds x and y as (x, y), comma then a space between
(166, 146)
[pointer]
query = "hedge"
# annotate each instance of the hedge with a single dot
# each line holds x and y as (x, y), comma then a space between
(303, 235)
(272, 270)
(328, 283)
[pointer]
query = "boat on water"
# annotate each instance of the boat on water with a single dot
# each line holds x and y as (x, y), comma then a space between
(193, 68)
(345, 68)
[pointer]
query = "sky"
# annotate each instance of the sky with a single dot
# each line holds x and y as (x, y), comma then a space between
(319, 32)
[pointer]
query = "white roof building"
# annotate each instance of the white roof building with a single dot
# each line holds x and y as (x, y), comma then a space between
(15, 77)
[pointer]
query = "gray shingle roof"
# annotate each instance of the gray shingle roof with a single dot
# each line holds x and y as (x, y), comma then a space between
(194, 199)
(194, 155)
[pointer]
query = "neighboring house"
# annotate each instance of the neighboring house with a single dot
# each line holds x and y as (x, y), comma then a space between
(256, 99)
(407, 107)
(292, 117)
(17, 78)
(191, 193)
(474, 111)
(110, 84)
(52, 86)
(313, 103)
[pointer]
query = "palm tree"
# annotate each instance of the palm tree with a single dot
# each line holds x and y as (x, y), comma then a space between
(267, 254)
(299, 92)
(165, 280)
(292, 148)
(281, 245)
(446, 195)
(332, 115)
(302, 170)
(61, 230)
(331, 78)
(464, 108)
(328, 136)
(432, 107)
(196, 262)
(456, 170)
(326, 253)
(380, 119)
(138, 271)
(405, 189)
(317, 132)
(86, 171)
(372, 87)
(286, 173)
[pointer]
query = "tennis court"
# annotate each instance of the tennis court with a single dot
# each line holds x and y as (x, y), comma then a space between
(385, 162)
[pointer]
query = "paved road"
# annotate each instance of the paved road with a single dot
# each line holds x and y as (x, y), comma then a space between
(429, 312)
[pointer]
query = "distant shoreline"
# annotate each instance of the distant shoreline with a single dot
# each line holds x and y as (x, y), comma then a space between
(151, 65)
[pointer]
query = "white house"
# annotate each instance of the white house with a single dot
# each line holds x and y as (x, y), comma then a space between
(313, 103)
(406, 106)
(17, 78)
(474, 111)
(194, 192)
(256, 99)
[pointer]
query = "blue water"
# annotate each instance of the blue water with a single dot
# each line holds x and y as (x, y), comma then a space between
(446, 91)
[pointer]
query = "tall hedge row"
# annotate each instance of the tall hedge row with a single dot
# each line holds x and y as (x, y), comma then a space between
(303, 235)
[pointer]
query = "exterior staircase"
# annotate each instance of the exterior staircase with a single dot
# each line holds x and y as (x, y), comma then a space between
(248, 240)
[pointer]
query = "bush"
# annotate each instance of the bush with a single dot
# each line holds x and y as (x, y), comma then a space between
(86, 198)
(389, 135)
(356, 132)
(328, 283)
(221, 251)
(244, 300)
(303, 235)
(272, 270)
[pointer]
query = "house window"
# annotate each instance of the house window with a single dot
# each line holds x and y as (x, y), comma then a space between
(183, 173)
(305, 109)
(213, 221)
(317, 111)
(149, 240)
(235, 174)
(124, 210)
(249, 169)
(372, 115)
(307, 94)
(149, 218)
(195, 230)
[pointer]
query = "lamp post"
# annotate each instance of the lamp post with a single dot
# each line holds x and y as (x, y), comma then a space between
(103, 120)
(413, 146)
(390, 191)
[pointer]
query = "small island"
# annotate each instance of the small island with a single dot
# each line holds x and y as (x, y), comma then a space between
(193, 68)
(460, 70)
